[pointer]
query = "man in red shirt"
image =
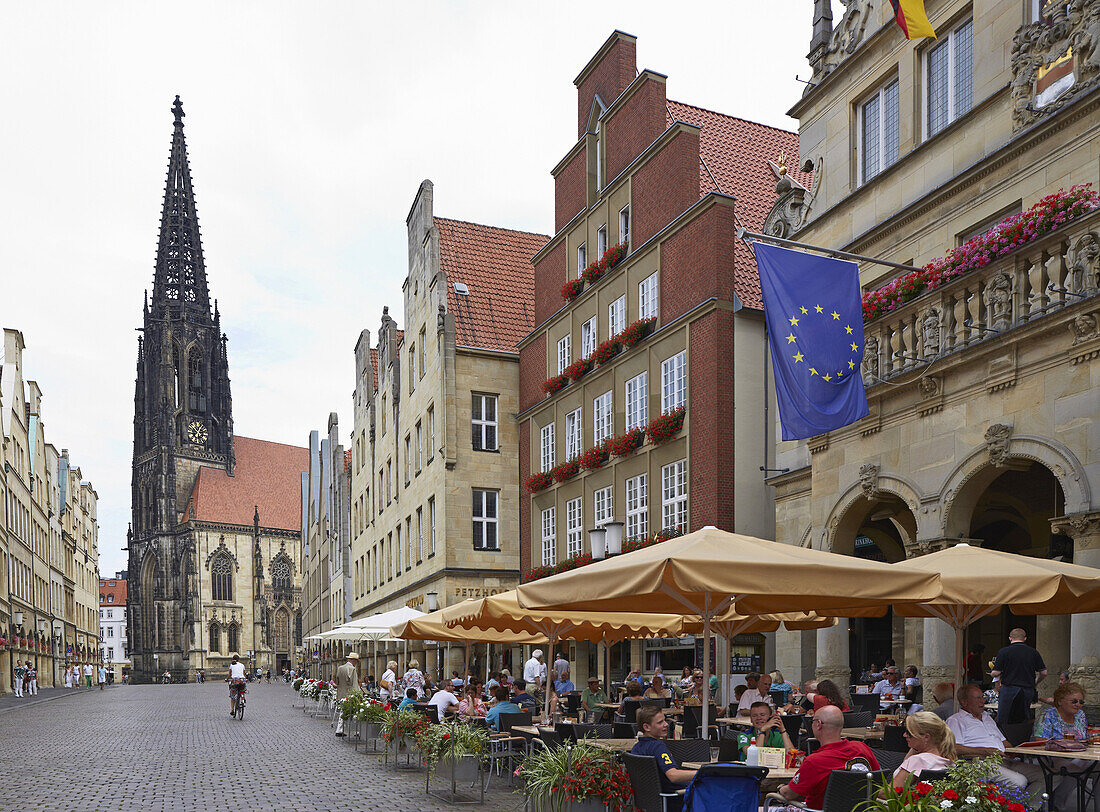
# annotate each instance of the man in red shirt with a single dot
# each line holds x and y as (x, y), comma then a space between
(834, 754)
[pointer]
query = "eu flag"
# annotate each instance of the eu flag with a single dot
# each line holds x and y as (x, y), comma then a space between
(814, 316)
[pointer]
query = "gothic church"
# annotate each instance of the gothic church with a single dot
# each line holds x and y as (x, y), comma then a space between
(214, 551)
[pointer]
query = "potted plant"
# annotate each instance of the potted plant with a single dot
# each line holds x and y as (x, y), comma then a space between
(581, 778)
(595, 457)
(565, 470)
(968, 787)
(606, 351)
(372, 715)
(664, 427)
(539, 481)
(400, 729)
(454, 750)
(572, 289)
(626, 444)
(636, 331)
(555, 384)
(578, 369)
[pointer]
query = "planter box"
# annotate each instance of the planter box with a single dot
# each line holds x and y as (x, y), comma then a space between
(467, 769)
(587, 805)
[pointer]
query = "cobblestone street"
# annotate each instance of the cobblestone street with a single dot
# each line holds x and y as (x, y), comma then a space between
(175, 748)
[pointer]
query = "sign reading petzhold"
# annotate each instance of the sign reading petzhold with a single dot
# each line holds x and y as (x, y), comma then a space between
(466, 592)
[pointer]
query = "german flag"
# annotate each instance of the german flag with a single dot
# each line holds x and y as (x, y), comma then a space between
(910, 15)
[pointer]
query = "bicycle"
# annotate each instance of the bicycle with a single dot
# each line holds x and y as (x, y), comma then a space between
(237, 690)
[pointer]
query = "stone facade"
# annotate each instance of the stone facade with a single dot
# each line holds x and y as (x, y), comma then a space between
(982, 392)
(49, 538)
(420, 459)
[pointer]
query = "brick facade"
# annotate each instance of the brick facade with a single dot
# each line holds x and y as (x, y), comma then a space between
(705, 242)
(636, 123)
(667, 184)
(550, 275)
(607, 75)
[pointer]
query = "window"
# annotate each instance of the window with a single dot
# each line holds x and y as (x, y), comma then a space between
(602, 418)
(485, 422)
(602, 510)
(390, 563)
(674, 382)
(221, 578)
(233, 635)
(588, 337)
(636, 402)
(949, 78)
(485, 520)
(111, 612)
(565, 352)
(397, 549)
(573, 434)
(419, 446)
(431, 527)
(110, 631)
(674, 496)
(408, 542)
(419, 535)
(408, 459)
(196, 398)
(616, 317)
(423, 349)
(878, 132)
(215, 639)
(546, 440)
(383, 415)
(601, 242)
(389, 481)
(431, 433)
(412, 368)
(582, 258)
(647, 297)
(549, 536)
(574, 528)
(624, 226)
(637, 506)
(280, 575)
(110, 599)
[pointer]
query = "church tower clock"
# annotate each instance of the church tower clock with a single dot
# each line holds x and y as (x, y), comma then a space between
(182, 420)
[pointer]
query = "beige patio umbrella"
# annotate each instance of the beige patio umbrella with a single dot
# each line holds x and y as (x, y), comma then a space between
(431, 627)
(709, 571)
(502, 612)
(976, 582)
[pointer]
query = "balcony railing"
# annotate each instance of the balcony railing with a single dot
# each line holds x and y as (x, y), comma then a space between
(1055, 271)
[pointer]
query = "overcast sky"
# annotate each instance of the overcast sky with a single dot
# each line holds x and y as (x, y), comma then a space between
(309, 128)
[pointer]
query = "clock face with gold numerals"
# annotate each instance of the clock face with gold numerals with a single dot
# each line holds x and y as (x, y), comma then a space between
(197, 433)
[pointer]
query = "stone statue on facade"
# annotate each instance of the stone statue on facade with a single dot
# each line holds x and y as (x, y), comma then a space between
(870, 360)
(846, 37)
(996, 440)
(930, 331)
(998, 301)
(1084, 265)
(868, 480)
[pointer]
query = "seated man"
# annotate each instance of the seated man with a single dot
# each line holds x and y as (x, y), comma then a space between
(593, 696)
(977, 735)
(657, 689)
(409, 699)
(943, 701)
(504, 705)
(444, 700)
(890, 687)
(834, 754)
(564, 685)
(523, 699)
(758, 694)
(768, 729)
(654, 730)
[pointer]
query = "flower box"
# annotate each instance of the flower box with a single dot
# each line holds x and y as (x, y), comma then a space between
(663, 428)
(606, 351)
(538, 482)
(554, 385)
(595, 457)
(572, 289)
(626, 444)
(566, 470)
(578, 369)
(636, 331)
(467, 768)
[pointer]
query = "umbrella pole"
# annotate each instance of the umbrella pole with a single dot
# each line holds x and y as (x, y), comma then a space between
(706, 675)
(466, 676)
(546, 688)
(960, 655)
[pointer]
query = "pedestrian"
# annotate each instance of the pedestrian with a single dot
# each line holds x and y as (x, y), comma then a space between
(387, 687)
(88, 674)
(414, 678)
(76, 676)
(347, 679)
(32, 679)
(17, 682)
(269, 675)
(1020, 668)
(534, 670)
(561, 665)
(68, 678)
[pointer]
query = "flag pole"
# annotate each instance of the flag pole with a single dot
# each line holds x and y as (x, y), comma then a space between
(751, 236)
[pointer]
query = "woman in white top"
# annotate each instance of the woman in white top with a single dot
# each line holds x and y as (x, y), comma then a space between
(931, 746)
(414, 678)
(388, 685)
(68, 678)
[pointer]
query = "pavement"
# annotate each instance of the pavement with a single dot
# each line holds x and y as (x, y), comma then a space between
(174, 748)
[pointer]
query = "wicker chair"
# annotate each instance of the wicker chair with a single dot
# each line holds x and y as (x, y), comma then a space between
(846, 791)
(859, 718)
(645, 781)
(689, 749)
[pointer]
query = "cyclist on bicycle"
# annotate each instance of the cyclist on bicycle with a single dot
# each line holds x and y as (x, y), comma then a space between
(236, 682)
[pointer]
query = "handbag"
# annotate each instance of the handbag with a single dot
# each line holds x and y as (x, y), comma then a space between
(1064, 746)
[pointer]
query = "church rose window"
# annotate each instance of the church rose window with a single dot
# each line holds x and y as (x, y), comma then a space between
(280, 575)
(221, 578)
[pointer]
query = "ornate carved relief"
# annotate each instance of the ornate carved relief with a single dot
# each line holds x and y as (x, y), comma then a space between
(846, 37)
(868, 480)
(931, 395)
(1083, 261)
(996, 440)
(870, 360)
(998, 301)
(930, 331)
(1084, 328)
(1068, 41)
(1083, 528)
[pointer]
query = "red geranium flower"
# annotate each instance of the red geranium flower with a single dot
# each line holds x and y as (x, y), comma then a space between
(950, 794)
(923, 788)
(1015, 806)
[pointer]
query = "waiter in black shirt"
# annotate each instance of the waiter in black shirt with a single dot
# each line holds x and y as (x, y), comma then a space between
(1020, 667)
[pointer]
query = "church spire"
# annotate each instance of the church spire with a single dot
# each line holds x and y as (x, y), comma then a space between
(179, 284)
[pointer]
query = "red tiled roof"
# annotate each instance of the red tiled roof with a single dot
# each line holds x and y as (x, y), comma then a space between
(734, 155)
(267, 475)
(374, 357)
(495, 264)
(119, 592)
(347, 461)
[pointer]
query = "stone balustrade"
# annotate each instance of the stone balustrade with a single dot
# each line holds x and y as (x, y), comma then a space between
(1050, 273)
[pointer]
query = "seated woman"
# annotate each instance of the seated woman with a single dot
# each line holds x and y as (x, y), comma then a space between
(633, 694)
(828, 694)
(931, 746)
(657, 689)
(471, 705)
(780, 684)
(1066, 720)
(694, 695)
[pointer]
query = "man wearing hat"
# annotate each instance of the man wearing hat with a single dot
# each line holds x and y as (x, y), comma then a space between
(593, 696)
(347, 679)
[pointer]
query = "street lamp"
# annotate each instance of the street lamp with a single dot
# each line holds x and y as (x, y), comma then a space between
(597, 537)
(614, 537)
(433, 601)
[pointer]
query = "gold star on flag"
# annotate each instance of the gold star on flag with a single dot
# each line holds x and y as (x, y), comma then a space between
(798, 357)
(828, 377)
(817, 309)
(804, 310)
(790, 338)
(835, 315)
(840, 374)
(854, 348)
(813, 371)
(848, 330)
(851, 365)
(794, 321)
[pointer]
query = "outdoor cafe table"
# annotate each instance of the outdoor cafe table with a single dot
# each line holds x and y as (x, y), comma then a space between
(861, 733)
(774, 773)
(1048, 761)
(620, 745)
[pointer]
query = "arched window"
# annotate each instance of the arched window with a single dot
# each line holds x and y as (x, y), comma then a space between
(221, 578)
(280, 575)
(215, 638)
(282, 630)
(196, 397)
(233, 638)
